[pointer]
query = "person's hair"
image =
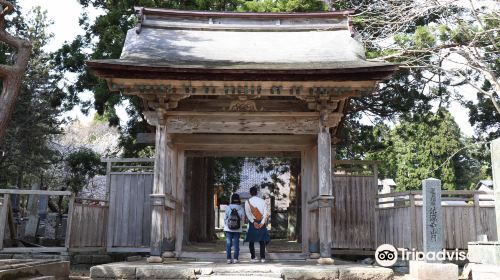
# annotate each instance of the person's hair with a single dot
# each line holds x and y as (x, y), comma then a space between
(253, 191)
(235, 199)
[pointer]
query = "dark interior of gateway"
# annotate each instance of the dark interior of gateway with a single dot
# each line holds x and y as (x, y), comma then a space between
(210, 182)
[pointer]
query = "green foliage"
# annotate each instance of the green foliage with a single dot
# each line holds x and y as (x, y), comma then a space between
(424, 38)
(421, 146)
(283, 6)
(82, 165)
(484, 117)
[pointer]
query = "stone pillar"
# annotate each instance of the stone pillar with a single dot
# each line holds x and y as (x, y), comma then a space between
(431, 269)
(432, 220)
(495, 167)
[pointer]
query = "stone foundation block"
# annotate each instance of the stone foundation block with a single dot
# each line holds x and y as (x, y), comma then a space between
(154, 259)
(420, 270)
(310, 273)
(485, 272)
(325, 261)
(168, 254)
(113, 272)
(484, 252)
(366, 273)
(160, 272)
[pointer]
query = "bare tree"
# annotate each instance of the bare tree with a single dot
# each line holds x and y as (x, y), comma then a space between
(11, 74)
(459, 39)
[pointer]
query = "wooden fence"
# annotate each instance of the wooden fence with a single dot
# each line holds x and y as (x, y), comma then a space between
(466, 216)
(89, 222)
(130, 183)
(353, 217)
(7, 224)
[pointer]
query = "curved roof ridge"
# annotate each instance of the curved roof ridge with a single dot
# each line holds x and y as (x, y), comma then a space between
(253, 15)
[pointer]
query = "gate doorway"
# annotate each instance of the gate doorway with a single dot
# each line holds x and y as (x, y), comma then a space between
(211, 179)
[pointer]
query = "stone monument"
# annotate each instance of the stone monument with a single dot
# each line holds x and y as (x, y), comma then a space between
(432, 226)
(432, 219)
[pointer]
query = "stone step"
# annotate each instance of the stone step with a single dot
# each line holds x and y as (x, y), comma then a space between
(246, 274)
(239, 277)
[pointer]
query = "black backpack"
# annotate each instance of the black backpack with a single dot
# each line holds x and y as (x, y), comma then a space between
(234, 220)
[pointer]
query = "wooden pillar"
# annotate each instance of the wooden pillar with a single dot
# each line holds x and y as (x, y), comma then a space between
(164, 196)
(325, 193)
(158, 195)
(293, 221)
(180, 197)
(210, 199)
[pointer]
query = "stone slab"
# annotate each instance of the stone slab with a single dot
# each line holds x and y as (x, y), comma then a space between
(484, 252)
(485, 272)
(162, 272)
(112, 271)
(365, 273)
(36, 268)
(420, 270)
(216, 270)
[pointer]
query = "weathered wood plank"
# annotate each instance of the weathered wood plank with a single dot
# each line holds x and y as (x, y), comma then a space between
(70, 221)
(3, 217)
(353, 221)
(253, 140)
(180, 208)
(111, 214)
(35, 192)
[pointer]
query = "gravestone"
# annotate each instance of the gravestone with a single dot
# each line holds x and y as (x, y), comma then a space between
(432, 217)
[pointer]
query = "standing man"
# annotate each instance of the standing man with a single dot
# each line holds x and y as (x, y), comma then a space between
(256, 211)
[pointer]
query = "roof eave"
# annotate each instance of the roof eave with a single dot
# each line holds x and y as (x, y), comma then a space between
(108, 70)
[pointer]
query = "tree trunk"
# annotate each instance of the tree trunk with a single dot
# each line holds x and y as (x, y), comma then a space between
(11, 75)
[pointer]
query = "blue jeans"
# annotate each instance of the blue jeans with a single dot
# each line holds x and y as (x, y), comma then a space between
(232, 238)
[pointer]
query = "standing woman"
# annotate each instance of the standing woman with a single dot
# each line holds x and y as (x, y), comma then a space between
(233, 221)
(256, 211)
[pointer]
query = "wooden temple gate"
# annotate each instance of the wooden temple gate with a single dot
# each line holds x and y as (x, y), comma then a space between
(240, 84)
(126, 227)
